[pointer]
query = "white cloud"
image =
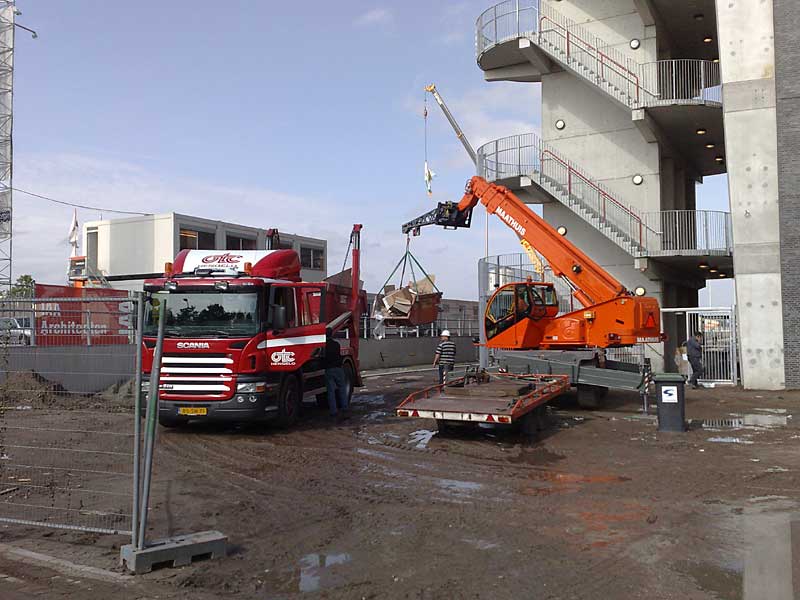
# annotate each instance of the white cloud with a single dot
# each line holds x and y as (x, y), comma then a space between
(376, 16)
(40, 227)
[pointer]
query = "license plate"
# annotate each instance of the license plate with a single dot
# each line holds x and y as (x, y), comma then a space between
(192, 411)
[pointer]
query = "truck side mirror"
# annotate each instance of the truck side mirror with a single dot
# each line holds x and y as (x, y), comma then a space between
(279, 319)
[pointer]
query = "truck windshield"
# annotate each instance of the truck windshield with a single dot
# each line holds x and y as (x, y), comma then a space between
(204, 314)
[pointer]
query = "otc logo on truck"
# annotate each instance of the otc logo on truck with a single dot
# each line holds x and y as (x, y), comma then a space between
(282, 358)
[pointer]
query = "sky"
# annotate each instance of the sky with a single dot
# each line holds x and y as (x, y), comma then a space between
(304, 116)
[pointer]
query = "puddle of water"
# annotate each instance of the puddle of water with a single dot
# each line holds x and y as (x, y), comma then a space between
(458, 487)
(573, 478)
(315, 574)
(776, 411)
(729, 440)
(766, 420)
(481, 544)
(368, 399)
(419, 439)
(374, 454)
(721, 582)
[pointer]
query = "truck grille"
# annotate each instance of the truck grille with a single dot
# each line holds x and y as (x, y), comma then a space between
(205, 376)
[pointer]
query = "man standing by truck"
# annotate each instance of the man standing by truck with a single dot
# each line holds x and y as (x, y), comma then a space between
(336, 381)
(694, 352)
(445, 356)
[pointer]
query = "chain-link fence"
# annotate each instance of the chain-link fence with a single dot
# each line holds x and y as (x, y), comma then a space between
(67, 394)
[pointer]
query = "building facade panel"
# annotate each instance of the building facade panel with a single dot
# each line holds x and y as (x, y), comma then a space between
(787, 46)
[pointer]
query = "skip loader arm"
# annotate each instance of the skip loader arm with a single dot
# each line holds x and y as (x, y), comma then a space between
(591, 283)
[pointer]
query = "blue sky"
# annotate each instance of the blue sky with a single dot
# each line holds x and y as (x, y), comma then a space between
(305, 116)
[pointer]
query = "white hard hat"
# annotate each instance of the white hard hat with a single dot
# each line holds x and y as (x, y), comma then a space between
(446, 332)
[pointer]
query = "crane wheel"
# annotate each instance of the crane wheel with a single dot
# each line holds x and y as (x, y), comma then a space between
(591, 397)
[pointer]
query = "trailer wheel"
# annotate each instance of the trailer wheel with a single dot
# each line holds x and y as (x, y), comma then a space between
(591, 397)
(289, 402)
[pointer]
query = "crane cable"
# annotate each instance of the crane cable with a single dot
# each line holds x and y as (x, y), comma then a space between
(428, 174)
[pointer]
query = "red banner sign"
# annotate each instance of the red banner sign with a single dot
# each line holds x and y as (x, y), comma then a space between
(85, 321)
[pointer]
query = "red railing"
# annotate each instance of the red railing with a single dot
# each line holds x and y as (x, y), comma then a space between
(603, 194)
(601, 57)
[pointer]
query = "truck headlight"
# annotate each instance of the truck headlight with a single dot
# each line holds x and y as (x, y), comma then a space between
(251, 388)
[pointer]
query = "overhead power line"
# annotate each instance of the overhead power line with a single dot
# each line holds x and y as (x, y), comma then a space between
(97, 208)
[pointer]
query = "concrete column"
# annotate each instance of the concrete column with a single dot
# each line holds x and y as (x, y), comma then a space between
(787, 78)
(748, 66)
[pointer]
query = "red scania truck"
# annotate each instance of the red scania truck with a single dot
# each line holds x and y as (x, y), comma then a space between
(245, 337)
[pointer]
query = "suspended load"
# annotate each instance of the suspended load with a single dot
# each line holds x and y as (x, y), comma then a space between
(415, 303)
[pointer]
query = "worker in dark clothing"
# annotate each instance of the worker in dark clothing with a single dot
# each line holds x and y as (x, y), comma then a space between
(336, 381)
(694, 352)
(445, 356)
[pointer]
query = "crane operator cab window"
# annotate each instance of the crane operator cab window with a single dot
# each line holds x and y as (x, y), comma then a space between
(515, 303)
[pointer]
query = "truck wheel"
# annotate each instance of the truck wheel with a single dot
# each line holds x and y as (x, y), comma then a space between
(591, 397)
(172, 422)
(350, 380)
(289, 402)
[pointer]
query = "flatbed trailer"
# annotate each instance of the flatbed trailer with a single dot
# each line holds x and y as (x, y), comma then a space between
(499, 398)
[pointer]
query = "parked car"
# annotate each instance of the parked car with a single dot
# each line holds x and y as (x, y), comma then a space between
(12, 333)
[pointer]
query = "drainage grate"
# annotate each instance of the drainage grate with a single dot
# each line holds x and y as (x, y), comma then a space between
(722, 423)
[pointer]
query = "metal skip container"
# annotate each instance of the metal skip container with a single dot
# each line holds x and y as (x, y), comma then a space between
(671, 402)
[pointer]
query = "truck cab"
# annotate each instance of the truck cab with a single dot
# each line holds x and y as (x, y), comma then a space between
(244, 338)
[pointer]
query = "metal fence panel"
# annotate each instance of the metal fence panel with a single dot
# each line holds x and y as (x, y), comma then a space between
(67, 392)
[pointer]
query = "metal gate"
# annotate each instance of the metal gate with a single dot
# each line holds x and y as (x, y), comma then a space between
(718, 326)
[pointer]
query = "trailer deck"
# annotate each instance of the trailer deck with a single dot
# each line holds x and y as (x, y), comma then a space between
(502, 398)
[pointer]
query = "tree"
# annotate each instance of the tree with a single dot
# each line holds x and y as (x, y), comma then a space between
(23, 288)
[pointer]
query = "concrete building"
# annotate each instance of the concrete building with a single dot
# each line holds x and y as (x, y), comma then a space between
(642, 99)
(127, 251)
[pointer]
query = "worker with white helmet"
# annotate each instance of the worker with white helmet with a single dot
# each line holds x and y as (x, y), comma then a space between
(445, 356)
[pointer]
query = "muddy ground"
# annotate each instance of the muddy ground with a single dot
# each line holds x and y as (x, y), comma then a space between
(599, 505)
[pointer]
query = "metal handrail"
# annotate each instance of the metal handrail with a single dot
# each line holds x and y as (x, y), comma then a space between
(665, 82)
(536, 170)
(682, 81)
(699, 232)
(569, 36)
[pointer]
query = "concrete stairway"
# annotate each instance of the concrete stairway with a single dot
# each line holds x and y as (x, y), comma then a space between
(565, 183)
(589, 57)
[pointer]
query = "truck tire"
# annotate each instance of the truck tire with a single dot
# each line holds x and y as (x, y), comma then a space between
(289, 402)
(172, 422)
(350, 381)
(591, 397)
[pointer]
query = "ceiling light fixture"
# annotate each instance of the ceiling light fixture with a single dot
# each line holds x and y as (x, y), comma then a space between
(701, 131)
(710, 146)
(720, 159)
(703, 265)
(708, 39)
(699, 17)
(561, 124)
(635, 44)
(638, 179)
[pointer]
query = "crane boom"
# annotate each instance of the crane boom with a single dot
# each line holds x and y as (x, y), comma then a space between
(592, 283)
(459, 133)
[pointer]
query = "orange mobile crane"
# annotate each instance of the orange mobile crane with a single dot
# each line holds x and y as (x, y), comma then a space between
(521, 319)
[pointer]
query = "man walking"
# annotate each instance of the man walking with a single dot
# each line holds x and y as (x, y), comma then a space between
(694, 352)
(336, 381)
(445, 356)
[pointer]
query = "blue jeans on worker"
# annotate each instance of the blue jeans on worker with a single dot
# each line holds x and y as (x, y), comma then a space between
(337, 389)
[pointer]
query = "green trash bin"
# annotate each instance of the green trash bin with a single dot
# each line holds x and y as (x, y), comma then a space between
(671, 401)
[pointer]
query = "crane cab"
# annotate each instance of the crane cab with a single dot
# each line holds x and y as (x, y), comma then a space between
(515, 312)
